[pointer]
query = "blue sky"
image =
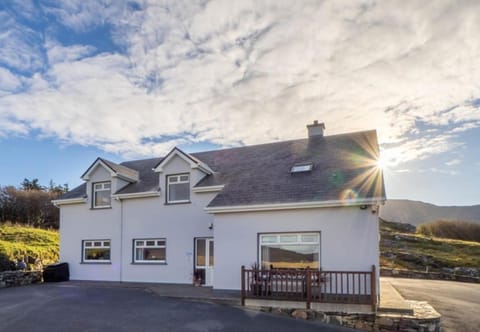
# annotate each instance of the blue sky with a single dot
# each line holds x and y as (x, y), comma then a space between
(132, 79)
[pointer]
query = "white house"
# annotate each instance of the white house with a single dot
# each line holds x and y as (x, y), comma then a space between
(302, 203)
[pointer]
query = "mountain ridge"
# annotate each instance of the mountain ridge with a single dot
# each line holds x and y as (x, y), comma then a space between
(417, 212)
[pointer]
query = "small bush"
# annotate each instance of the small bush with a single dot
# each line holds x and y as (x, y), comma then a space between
(6, 264)
(458, 230)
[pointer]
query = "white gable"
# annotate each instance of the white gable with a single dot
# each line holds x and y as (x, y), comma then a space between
(191, 161)
(98, 167)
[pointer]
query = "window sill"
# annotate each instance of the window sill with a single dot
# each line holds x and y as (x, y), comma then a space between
(148, 263)
(104, 263)
(101, 208)
(177, 203)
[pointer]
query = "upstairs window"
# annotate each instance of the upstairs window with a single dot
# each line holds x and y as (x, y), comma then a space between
(301, 168)
(102, 194)
(178, 188)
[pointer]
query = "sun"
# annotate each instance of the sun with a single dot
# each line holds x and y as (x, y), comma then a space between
(381, 162)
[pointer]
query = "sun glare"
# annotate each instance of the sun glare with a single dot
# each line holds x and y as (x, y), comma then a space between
(381, 162)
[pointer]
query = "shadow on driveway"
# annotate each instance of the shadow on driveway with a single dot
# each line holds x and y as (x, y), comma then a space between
(73, 307)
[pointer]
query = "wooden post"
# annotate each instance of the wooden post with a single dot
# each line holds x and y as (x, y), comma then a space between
(373, 289)
(243, 286)
(308, 280)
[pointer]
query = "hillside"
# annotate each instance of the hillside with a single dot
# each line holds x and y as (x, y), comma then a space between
(401, 248)
(36, 246)
(415, 213)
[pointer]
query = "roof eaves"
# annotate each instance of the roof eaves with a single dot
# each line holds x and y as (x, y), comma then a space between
(68, 201)
(293, 206)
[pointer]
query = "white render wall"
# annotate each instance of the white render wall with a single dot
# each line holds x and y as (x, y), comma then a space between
(349, 239)
(78, 222)
(136, 218)
(179, 224)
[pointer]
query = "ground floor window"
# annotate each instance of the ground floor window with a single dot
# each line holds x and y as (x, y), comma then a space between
(150, 250)
(96, 251)
(290, 250)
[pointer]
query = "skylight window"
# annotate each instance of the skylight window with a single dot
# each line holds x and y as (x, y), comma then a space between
(300, 168)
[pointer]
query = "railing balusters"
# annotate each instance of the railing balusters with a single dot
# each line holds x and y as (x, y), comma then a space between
(353, 287)
(365, 283)
(309, 285)
(359, 288)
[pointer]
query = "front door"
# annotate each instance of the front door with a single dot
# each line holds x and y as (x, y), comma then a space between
(204, 259)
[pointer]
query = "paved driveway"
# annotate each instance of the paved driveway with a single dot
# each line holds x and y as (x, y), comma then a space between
(70, 307)
(457, 302)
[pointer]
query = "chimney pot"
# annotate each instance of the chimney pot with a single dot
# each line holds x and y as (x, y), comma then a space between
(316, 129)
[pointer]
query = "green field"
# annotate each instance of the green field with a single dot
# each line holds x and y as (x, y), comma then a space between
(406, 250)
(31, 244)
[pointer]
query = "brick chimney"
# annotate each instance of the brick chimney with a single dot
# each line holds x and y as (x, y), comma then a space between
(316, 129)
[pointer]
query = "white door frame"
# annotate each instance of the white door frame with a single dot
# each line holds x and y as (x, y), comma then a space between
(209, 266)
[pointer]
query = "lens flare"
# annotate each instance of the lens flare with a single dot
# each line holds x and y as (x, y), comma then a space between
(364, 165)
(348, 194)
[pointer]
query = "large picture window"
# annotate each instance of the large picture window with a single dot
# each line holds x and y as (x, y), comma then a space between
(96, 251)
(150, 251)
(178, 190)
(102, 194)
(290, 250)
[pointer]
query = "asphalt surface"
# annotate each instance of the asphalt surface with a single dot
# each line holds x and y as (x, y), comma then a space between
(69, 307)
(457, 302)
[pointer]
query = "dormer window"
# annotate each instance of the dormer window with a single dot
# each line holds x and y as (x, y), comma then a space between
(102, 194)
(301, 168)
(178, 188)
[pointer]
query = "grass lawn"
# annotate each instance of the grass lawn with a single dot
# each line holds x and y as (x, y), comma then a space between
(31, 243)
(400, 249)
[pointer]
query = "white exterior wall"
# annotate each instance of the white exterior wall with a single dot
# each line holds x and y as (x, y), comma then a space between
(136, 218)
(178, 223)
(78, 222)
(349, 239)
(349, 235)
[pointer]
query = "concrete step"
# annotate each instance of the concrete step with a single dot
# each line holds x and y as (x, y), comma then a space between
(391, 301)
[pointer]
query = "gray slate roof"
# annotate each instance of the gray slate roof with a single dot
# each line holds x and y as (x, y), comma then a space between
(121, 169)
(77, 192)
(148, 179)
(117, 168)
(343, 168)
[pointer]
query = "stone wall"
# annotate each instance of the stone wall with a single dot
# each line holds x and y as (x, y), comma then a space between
(19, 278)
(384, 272)
(424, 319)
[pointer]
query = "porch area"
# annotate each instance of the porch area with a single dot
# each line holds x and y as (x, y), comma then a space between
(310, 288)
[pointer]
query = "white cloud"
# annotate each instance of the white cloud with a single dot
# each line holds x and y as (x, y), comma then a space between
(8, 81)
(404, 170)
(20, 46)
(59, 53)
(251, 72)
(26, 8)
(442, 171)
(81, 15)
(453, 162)
(9, 126)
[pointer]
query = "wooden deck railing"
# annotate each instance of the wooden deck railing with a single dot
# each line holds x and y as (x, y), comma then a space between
(349, 287)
